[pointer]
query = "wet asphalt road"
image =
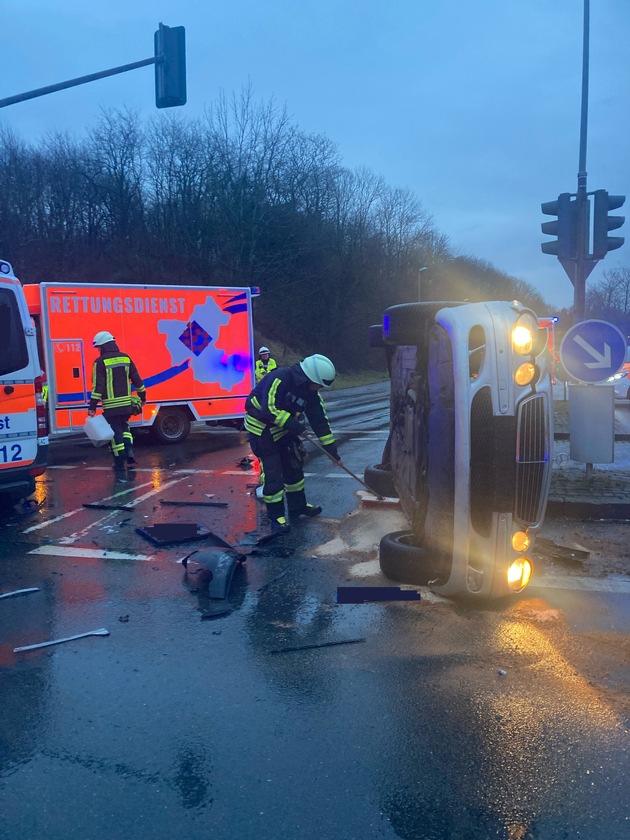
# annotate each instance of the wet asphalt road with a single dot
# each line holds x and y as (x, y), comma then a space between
(444, 722)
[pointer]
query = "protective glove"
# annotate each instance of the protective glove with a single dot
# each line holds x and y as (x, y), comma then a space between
(294, 425)
(331, 448)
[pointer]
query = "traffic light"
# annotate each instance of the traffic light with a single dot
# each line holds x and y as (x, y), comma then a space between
(564, 227)
(170, 66)
(602, 223)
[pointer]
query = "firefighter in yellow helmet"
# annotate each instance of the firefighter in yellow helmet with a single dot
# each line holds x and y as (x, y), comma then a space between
(264, 363)
(273, 421)
(113, 375)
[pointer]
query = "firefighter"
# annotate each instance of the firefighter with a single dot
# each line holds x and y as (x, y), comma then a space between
(275, 412)
(264, 363)
(113, 375)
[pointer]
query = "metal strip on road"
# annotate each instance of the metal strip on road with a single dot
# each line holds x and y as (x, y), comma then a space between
(91, 553)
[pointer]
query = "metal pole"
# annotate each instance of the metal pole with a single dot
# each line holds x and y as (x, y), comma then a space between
(32, 94)
(420, 270)
(582, 203)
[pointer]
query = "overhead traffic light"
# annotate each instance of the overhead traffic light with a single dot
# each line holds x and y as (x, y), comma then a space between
(170, 66)
(564, 227)
(602, 223)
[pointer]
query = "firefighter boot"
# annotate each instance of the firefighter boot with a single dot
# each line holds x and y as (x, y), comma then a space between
(307, 510)
(280, 525)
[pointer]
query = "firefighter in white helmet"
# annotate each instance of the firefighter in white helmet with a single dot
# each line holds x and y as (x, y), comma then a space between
(113, 375)
(274, 420)
(264, 363)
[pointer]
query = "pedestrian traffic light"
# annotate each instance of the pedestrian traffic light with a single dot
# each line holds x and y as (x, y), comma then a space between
(170, 66)
(602, 223)
(564, 227)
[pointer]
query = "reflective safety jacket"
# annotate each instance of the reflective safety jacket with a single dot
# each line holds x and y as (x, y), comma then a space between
(276, 402)
(113, 375)
(264, 367)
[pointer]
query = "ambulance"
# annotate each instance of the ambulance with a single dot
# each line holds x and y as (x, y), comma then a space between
(23, 425)
(193, 347)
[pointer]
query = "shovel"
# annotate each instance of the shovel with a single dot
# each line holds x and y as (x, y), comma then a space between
(101, 632)
(316, 443)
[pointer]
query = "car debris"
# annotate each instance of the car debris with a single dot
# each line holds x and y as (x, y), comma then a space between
(98, 506)
(567, 553)
(20, 592)
(218, 567)
(192, 504)
(321, 645)
(101, 632)
(210, 614)
(266, 586)
(174, 532)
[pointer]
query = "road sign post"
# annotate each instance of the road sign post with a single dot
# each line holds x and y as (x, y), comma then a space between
(591, 352)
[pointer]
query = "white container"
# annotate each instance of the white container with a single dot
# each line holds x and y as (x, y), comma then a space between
(98, 430)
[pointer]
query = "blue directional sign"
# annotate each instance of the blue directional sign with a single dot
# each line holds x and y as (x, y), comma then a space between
(592, 351)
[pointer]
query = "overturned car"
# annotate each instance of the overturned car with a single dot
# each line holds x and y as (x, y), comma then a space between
(469, 448)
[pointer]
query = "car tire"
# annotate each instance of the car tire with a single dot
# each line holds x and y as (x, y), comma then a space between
(408, 323)
(381, 481)
(172, 425)
(375, 336)
(402, 559)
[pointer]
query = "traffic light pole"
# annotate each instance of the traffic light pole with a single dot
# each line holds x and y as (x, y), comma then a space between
(582, 202)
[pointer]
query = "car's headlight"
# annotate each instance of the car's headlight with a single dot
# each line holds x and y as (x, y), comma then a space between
(525, 374)
(519, 574)
(521, 541)
(523, 335)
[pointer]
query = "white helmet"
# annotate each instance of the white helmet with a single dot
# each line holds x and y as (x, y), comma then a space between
(263, 350)
(102, 338)
(319, 369)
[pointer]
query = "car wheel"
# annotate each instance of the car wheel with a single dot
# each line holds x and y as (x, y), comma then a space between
(408, 323)
(375, 336)
(402, 559)
(171, 425)
(381, 481)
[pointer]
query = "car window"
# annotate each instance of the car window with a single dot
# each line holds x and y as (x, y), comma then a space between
(13, 352)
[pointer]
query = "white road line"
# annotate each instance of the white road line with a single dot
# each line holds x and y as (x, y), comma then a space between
(64, 467)
(237, 472)
(621, 585)
(337, 475)
(117, 495)
(91, 553)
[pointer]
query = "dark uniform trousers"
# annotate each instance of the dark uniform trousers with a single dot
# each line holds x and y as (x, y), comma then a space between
(283, 467)
(122, 442)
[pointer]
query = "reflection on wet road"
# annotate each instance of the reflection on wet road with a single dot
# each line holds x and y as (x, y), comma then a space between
(508, 721)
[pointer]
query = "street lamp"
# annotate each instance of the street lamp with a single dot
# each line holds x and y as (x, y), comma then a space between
(420, 270)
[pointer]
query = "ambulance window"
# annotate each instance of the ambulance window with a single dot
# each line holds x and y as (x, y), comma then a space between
(13, 352)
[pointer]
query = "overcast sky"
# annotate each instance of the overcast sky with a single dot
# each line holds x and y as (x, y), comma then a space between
(474, 105)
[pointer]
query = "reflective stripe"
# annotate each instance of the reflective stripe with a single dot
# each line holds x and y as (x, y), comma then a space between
(254, 426)
(256, 403)
(281, 417)
(277, 497)
(295, 488)
(326, 440)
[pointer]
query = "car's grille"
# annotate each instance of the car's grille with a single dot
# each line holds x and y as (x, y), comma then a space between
(532, 459)
(509, 460)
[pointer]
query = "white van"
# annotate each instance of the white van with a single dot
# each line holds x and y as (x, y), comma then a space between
(23, 422)
(469, 450)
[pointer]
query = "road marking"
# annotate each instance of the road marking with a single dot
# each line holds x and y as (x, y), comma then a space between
(91, 553)
(64, 467)
(132, 503)
(621, 585)
(237, 472)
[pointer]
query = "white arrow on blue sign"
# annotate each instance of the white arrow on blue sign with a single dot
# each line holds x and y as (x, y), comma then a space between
(592, 351)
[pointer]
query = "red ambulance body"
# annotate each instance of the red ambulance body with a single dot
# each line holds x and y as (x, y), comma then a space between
(193, 346)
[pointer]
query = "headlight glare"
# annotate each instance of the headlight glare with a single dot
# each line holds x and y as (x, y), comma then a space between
(519, 574)
(523, 336)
